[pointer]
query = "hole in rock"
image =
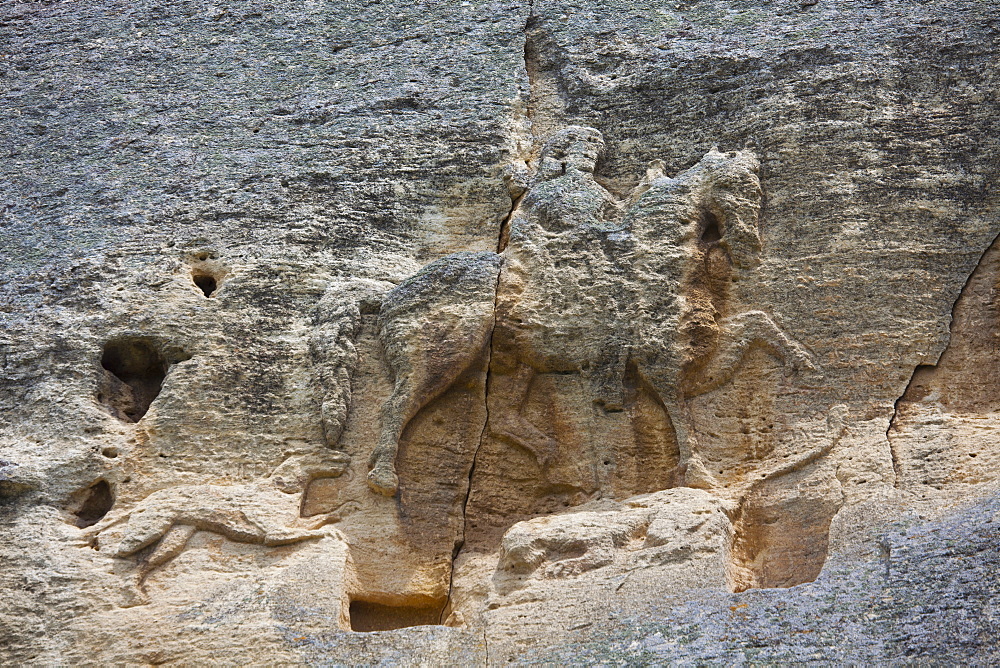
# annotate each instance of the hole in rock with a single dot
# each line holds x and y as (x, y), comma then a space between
(91, 504)
(135, 368)
(205, 282)
(369, 616)
(370, 306)
(110, 452)
(710, 228)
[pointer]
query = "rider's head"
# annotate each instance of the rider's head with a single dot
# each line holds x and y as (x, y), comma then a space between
(573, 148)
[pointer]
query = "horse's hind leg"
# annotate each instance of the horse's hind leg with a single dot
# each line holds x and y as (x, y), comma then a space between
(434, 326)
(509, 391)
(413, 390)
(171, 544)
(397, 411)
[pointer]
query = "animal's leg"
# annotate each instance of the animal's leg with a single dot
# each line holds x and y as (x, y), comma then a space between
(662, 376)
(90, 535)
(427, 354)
(738, 334)
(340, 512)
(396, 413)
(289, 536)
(145, 527)
(695, 473)
(409, 396)
(411, 393)
(171, 544)
(510, 392)
(757, 326)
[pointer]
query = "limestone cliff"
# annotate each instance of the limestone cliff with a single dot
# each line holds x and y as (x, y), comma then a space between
(498, 331)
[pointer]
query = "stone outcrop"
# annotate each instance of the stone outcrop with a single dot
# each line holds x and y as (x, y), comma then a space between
(494, 332)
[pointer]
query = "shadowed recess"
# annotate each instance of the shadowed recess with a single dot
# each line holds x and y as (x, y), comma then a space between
(206, 282)
(93, 503)
(369, 616)
(134, 371)
(780, 539)
(710, 228)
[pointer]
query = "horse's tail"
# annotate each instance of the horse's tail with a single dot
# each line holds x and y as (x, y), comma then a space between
(336, 324)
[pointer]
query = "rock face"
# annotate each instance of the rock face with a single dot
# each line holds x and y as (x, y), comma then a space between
(493, 332)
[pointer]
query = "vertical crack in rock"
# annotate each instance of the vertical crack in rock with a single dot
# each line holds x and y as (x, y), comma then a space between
(530, 62)
(505, 225)
(460, 543)
(548, 98)
(530, 67)
(897, 465)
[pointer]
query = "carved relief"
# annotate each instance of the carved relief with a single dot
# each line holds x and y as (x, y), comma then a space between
(629, 306)
(265, 512)
(697, 233)
(433, 327)
(334, 356)
(589, 285)
(572, 355)
(668, 526)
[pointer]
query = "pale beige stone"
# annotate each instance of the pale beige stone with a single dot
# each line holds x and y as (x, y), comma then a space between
(466, 333)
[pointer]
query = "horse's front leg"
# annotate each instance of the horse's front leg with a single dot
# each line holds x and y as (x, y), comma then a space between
(737, 335)
(758, 326)
(396, 413)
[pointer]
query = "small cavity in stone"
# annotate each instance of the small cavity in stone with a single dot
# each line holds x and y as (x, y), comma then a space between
(134, 369)
(205, 282)
(90, 505)
(710, 230)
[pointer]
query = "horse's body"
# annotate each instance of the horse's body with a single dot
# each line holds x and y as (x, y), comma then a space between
(589, 285)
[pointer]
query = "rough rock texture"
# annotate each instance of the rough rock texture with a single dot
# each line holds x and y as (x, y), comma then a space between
(499, 331)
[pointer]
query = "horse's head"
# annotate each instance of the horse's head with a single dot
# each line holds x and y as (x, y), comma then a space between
(717, 199)
(726, 197)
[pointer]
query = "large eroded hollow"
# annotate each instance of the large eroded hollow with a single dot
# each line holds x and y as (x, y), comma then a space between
(134, 369)
(780, 535)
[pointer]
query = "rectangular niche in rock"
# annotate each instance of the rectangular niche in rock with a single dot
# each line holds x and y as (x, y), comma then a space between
(370, 616)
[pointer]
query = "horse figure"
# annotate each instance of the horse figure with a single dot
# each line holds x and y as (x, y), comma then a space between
(587, 284)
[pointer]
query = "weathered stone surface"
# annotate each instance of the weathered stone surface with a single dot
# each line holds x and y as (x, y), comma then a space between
(551, 331)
